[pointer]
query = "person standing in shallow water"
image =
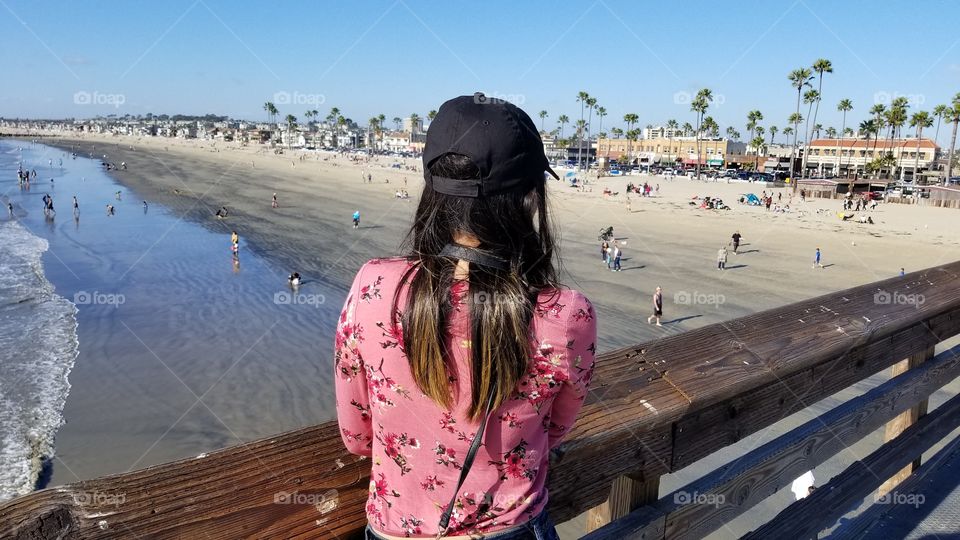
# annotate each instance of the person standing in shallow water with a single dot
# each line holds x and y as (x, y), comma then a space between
(467, 345)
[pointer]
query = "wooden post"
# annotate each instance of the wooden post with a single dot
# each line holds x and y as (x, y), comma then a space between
(905, 419)
(627, 493)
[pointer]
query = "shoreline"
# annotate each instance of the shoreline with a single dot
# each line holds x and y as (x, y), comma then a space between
(663, 236)
(668, 242)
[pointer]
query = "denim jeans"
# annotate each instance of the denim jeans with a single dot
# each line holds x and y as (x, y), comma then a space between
(538, 528)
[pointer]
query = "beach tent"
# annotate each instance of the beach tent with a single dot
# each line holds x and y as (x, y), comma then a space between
(752, 199)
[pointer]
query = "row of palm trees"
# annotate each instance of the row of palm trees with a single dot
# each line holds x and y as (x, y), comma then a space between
(803, 80)
(892, 118)
(336, 120)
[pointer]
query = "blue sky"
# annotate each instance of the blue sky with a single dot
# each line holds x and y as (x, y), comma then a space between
(401, 56)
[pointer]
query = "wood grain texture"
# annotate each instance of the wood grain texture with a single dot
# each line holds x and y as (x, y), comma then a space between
(653, 408)
(821, 509)
(751, 478)
(905, 419)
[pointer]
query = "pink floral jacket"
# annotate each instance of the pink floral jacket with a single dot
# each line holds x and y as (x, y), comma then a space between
(417, 448)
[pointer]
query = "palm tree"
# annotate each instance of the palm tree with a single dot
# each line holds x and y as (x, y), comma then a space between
(844, 107)
(799, 79)
(291, 125)
(896, 118)
(919, 120)
(758, 144)
(821, 66)
(617, 132)
(699, 105)
(271, 110)
(867, 127)
(582, 98)
(381, 118)
(773, 133)
(630, 119)
(632, 135)
(591, 105)
(879, 112)
(939, 112)
(810, 97)
(752, 118)
(414, 122)
(796, 119)
(371, 129)
(601, 112)
(332, 117)
(581, 127)
(563, 120)
(397, 121)
(341, 124)
(953, 115)
(431, 115)
(543, 116)
(672, 127)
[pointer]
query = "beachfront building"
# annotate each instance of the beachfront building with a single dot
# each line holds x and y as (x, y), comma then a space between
(661, 132)
(396, 141)
(849, 157)
(714, 151)
(410, 126)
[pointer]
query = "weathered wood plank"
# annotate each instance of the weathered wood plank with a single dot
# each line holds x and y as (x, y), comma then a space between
(901, 514)
(627, 494)
(739, 485)
(703, 431)
(638, 418)
(821, 509)
(906, 418)
(238, 492)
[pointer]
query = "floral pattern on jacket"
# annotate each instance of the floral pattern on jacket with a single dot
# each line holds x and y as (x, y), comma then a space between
(417, 448)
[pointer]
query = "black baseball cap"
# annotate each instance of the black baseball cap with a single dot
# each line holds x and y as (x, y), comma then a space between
(500, 139)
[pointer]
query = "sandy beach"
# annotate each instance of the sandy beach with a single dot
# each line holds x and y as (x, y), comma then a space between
(666, 242)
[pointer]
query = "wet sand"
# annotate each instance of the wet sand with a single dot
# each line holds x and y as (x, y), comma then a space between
(666, 242)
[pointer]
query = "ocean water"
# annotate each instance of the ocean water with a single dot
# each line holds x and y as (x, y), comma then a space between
(171, 347)
(38, 345)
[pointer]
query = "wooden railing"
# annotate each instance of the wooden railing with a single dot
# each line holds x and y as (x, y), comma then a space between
(654, 408)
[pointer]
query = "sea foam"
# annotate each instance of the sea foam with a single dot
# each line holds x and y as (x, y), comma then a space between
(38, 346)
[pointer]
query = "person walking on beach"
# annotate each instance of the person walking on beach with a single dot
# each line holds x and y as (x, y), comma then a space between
(76, 206)
(235, 242)
(736, 241)
(657, 307)
(722, 258)
(452, 385)
(275, 205)
(605, 253)
(816, 259)
(617, 253)
(356, 219)
(10, 208)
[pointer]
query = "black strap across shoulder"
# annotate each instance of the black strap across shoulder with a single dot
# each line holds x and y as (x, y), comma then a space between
(475, 256)
(467, 463)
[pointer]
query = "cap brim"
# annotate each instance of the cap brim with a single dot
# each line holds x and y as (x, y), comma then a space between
(552, 173)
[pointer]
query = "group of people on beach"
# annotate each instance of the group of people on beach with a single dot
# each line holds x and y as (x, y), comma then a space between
(611, 254)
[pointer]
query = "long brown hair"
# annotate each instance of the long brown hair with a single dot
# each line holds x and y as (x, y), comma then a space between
(513, 226)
